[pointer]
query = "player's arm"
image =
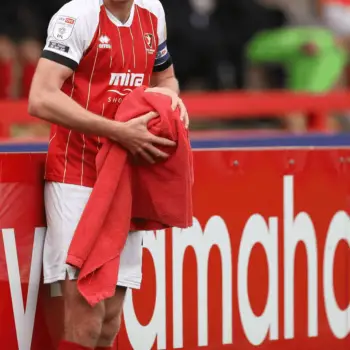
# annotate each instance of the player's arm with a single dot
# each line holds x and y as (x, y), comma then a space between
(48, 102)
(163, 70)
(166, 83)
(166, 79)
(163, 79)
(67, 39)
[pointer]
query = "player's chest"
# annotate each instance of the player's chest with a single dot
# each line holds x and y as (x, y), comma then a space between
(123, 50)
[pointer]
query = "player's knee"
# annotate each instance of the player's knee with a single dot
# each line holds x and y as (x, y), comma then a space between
(110, 329)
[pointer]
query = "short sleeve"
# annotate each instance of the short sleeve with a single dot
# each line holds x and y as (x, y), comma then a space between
(69, 35)
(163, 58)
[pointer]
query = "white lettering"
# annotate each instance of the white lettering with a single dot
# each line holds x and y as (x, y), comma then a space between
(215, 233)
(143, 337)
(297, 227)
(126, 79)
(114, 100)
(339, 229)
(24, 319)
(300, 229)
(256, 231)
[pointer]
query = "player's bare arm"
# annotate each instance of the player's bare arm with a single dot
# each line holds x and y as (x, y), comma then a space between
(48, 102)
(165, 82)
(166, 79)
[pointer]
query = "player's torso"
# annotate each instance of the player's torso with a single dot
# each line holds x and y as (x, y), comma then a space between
(118, 60)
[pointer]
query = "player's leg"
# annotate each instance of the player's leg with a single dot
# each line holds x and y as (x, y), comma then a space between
(82, 323)
(130, 275)
(64, 205)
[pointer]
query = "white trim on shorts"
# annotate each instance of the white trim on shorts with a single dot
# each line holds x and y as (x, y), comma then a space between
(64, 204)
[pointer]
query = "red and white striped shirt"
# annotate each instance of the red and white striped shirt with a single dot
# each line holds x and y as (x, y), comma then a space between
(109, 59)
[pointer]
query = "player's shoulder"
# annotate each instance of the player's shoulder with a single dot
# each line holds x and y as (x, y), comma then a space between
(153, 6)
(80, 8)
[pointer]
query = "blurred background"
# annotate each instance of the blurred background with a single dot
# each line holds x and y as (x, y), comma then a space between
(243, 47)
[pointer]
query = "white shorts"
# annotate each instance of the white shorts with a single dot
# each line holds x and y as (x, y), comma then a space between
(64, 204)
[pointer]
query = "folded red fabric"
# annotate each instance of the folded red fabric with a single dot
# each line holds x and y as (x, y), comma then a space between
(127, 196)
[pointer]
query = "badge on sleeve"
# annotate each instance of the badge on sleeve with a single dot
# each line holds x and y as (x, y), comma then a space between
(63, 28)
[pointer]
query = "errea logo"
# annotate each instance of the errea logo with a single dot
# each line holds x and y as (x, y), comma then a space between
(104, 42)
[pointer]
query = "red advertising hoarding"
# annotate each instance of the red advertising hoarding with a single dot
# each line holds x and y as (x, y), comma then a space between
(266, 264)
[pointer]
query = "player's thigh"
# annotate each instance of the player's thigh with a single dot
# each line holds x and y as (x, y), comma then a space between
(114, 305)
(64, 205)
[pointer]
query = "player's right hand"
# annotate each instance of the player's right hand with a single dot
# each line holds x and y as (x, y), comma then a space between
(136, 138)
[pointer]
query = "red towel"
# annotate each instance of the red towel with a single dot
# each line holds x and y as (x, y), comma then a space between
(128, 197)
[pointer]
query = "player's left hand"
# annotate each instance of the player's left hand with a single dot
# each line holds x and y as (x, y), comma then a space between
(176, 102)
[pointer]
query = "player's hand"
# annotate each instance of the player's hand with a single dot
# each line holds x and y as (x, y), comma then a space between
(176, 102)
(136, 138)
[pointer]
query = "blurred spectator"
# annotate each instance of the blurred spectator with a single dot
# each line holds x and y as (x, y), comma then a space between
(308, 51)
(210, 41)
(336, 14)
(19, 47)
(22, 30)
(195, 42)
(207, 39)
(239, 21)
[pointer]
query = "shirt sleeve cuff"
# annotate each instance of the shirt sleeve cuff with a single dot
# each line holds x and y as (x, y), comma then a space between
(63, 60)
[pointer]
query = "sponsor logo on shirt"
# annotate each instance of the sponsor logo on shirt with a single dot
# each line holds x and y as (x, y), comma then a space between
(122, 83)
(63, 28)
(104, 42)
(126, 79)
(149, 40)
(58, 46)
